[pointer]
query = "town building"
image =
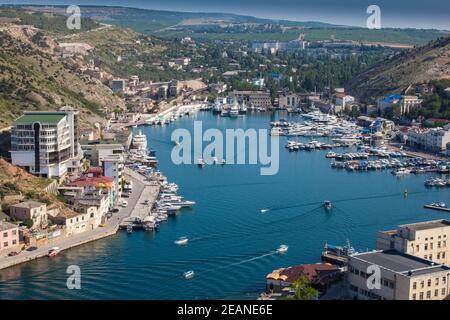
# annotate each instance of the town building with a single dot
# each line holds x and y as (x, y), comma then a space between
(433, 140)
(289, 100)
(260, 99)
(409, 103)
(86, 218)
(118, 85)
(30, 210)
(9, 237)
(321, 274)
(46, 143)
(405, 103)
(387, 101)
(401, 277)
(343, 102)
(217, 88)
(428, 240)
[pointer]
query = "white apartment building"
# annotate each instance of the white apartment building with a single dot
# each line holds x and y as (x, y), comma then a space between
(113, 167)
(435, 139)
(428, 240)
(401, 277)
(47, 143)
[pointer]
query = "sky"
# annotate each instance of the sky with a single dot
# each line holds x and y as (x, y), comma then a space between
(425, 14)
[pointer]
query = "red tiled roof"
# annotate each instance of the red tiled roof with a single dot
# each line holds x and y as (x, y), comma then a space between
(311, 271)
(91, 181)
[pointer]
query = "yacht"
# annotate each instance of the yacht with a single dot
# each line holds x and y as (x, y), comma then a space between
(181, 241)
(401, 172)
(275, 131)
(234, 111)
(282, 249)
(139, 141)
(189, 274)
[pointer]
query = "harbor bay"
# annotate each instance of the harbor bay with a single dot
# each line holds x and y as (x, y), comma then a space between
(232, 243)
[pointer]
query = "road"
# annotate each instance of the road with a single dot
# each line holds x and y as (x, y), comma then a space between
(85, 237)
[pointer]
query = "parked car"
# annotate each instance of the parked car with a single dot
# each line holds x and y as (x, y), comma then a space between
(32, 248)
(13, 253)
(115, 210)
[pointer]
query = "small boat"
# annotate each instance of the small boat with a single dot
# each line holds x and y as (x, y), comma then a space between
(223, 162)
(282, 249)
(181, 241)
(200, 162)
(327, 204)
(215, 160)
(53, 252)
(130, 228)
(189, 274)
(264, 210)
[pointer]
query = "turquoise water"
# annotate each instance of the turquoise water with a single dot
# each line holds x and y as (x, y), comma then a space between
(232, 244)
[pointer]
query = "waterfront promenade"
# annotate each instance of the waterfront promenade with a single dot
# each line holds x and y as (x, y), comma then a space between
(110, 229)
(150, 192)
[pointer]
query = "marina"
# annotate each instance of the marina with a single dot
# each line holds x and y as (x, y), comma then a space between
(229, 203)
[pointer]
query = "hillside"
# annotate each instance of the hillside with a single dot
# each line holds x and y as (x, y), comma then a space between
(416, 66)
(34, 77)
(224, 26)
(15, 181)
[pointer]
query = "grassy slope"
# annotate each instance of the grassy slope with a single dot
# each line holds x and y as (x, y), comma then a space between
(31, 79)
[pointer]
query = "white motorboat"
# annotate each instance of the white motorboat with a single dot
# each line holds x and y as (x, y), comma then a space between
(182, 241)
(130, 228)
(327, 204)
(264, 210)
(282, 248)
(189, 274)
(401, 172)
(201, 162)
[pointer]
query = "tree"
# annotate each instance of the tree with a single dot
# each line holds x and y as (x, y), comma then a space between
(29, 223)
(303, 289)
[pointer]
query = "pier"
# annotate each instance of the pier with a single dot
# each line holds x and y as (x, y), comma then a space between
(141, 209)
(434, 207)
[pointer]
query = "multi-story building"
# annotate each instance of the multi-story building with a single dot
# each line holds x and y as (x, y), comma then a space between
(9, 237)
(86, 218)
(343, 102)
(47, 143)
(30, 210)
(96, 150)
(428, 240)
(260, 99)
(408, 103)
(435, 139)
(289, 100)
(401, 277)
